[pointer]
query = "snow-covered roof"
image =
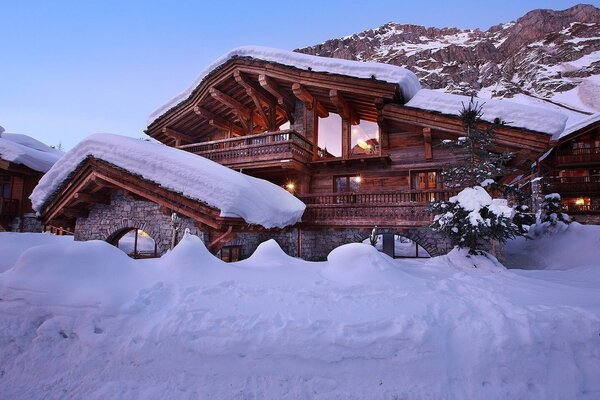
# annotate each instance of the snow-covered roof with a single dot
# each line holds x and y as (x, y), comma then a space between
(510, 113)
(579, 125)
(236, 195)
(22, 149)
(406, 80)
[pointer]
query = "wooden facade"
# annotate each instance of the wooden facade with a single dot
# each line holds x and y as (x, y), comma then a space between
(572, 169)
(235, 118)
(347, 147)
(16, 184)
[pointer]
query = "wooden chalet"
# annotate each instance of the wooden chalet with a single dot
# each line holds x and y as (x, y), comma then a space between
(21, 167)
(571, 168)
(347, 146)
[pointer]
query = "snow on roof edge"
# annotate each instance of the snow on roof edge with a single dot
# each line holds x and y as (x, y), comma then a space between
(407, 81)
(236, 195)
(25, 150)
(511, 114)
(579, 125)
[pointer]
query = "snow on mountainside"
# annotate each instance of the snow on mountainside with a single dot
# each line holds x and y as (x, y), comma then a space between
(549, 55)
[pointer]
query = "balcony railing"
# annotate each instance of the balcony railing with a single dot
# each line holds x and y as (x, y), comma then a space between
(581, 208)
(409, 208)
(270, 146)
(8, 207)
(572, 184)
(575, 156)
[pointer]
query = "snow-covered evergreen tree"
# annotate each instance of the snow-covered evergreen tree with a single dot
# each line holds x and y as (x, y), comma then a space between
(472, 217)
(552, 210)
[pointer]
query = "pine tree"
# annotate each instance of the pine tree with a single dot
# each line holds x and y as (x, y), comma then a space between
(552, 210)
(473, 217)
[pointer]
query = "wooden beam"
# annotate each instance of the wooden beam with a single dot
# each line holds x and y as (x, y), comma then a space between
(241, 110)
(309, 100)
(343, 107)
(258, 98)
(91, 198)
(427, 141)
(75, 212)
(219, 122)
(178, 136)
(287, 102)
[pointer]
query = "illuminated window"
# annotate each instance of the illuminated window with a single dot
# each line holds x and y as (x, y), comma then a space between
(136, 243)
(364, 138)
(330, 136)
(423, 180)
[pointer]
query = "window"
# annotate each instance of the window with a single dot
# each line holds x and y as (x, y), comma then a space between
(346, 184)
(330, 136)
(5, 185)
(424, 180)
(364, 138)
(231, 253)
(136, 243)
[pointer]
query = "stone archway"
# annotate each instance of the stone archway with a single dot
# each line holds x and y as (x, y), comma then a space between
(120, 227)
(434, 243)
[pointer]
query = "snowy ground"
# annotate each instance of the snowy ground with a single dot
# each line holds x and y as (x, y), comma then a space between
(82, 320)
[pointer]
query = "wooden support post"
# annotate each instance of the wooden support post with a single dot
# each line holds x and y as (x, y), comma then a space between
(427, 142)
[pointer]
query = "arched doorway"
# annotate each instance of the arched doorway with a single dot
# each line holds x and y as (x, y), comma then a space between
(398, 246)
(136, 243)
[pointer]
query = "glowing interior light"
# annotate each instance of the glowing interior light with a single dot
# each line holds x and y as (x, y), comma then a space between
(357, 179)
(362, 144)
(290, 186)
(580, 201)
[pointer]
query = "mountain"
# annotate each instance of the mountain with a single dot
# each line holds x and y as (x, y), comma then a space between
(546, 57)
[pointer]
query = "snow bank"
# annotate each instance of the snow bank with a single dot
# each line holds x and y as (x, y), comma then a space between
(13, 244)
(25, 150)
(72, 326)
(569, 246)
(406, 80)
(461, 259)
(237, 195)
(511, 114)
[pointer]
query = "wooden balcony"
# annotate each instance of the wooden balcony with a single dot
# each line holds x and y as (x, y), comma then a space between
(264, 149)
(582, 208)
(572, 185)
(578, 156)
(384, 209)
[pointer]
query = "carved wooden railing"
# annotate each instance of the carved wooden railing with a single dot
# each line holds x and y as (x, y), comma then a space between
(8, 207)
(574, 156)
(574, 184)
(581, 208)
(268, 146)
(408, 208)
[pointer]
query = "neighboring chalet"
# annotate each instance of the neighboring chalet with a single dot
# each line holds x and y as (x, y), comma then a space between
(23, 161)
(357, 142)
(572, 169)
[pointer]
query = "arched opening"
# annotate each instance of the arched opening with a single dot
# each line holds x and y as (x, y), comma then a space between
(135, 243)
(398, 246)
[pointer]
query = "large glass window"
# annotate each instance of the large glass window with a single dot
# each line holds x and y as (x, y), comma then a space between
(423, 180)
(364, 138)
(345, 184)
(137, 244)
(330, 136)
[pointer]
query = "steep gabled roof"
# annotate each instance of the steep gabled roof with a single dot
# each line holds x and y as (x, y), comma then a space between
(235, 195)
(407, 81)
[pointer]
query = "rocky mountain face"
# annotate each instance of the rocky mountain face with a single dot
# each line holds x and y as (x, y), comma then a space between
(548, 57)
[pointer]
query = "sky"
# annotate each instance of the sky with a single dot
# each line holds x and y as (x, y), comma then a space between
(72, 68)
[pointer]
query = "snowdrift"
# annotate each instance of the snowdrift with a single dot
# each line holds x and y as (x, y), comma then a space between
(80, 320)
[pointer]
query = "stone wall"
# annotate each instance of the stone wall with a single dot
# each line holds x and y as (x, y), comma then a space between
(27, 223)
(104, 222)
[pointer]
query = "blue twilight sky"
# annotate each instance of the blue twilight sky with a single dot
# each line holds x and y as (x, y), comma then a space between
(72, 68)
